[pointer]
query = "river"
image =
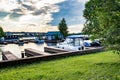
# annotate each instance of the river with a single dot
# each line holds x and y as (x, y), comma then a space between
(16, 49)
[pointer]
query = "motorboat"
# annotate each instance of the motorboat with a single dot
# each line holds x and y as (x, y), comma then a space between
(87, 43)
(73, 43)
(96, 43)
(21, 43)
(39, 41)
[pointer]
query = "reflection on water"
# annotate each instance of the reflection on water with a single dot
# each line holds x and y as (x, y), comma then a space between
(16, 49)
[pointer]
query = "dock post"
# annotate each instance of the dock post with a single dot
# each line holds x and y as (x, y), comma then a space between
(1, 56)
(22, 54)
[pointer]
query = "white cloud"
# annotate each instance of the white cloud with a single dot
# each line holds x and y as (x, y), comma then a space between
(82, 1)
(6, 6)
(30, 15)
(76, 28)
(35, 15)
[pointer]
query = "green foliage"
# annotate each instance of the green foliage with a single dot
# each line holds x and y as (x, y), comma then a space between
(99, 66)
(103, 21)
(63, 28)
(2, 34)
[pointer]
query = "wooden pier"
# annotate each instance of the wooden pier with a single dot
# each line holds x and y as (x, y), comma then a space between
(8, 56)
(35, 55)
(32, 52)
(54, 50)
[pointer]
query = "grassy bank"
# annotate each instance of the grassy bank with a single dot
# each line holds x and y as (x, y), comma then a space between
(99, 66)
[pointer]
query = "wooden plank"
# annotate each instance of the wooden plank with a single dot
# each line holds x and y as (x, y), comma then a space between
(32, 52)
(8, 56)
(54, 50)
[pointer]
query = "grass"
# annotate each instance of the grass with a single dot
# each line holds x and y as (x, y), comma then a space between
(99, 66)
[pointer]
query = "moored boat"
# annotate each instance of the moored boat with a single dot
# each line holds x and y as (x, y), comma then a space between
(39, 41)
(73, 43)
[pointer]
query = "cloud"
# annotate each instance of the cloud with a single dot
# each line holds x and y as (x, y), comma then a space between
(76, 28)
(76, 22)
(36, 15)
(82, 1)
(21, 15)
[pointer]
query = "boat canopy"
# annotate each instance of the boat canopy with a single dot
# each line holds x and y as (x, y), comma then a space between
(77, 36)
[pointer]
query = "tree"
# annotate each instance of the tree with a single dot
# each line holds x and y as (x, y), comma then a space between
(2, 34)
(102, 21)
(63, 28)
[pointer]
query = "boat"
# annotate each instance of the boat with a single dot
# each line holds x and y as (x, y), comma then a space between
(87, 43)
(39, 41)
(96, 43)
(72, 43)
(20, 43)
(25, 41)
(53, 41)
(3, 42)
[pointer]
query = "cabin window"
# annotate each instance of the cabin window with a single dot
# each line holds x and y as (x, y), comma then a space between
(77, 42)
(71, 42)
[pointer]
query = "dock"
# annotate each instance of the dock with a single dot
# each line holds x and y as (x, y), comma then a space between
(35, 55)
(32, 52)
(8, 56)
(54, 50)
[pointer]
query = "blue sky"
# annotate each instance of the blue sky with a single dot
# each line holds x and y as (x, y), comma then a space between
(41, 15)
(72, 11)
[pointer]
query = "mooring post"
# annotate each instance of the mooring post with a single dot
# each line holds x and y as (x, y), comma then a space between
(1, 56)
(22, 54)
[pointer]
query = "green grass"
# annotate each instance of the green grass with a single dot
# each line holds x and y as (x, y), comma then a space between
(99, 66)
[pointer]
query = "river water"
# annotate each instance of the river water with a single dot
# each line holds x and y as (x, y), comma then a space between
(16, 49)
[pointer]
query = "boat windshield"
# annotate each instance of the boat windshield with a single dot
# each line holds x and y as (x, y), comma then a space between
(78, 42)
(74, 41)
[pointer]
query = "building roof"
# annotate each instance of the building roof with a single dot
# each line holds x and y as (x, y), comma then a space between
(53, 32)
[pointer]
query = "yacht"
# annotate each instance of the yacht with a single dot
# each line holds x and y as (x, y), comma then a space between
(72, 43)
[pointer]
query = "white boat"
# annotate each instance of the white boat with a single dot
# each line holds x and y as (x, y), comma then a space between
(73, 43)
(87, 43)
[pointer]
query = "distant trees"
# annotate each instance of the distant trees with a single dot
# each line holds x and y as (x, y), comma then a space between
(2, 34)
(103, 21)
(63, 28)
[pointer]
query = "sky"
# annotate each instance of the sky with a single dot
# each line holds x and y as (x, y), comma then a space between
(41, 15)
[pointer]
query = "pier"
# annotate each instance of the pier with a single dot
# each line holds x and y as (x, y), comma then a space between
(54, 50)
(8, 56)
(32, 52)
(35, 55)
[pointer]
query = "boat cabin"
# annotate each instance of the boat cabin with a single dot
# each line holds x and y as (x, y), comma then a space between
(73, 43)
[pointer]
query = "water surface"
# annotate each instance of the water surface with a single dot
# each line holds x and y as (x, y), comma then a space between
(16, 49)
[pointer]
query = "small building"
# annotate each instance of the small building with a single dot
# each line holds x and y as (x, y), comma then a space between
(54, 35)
